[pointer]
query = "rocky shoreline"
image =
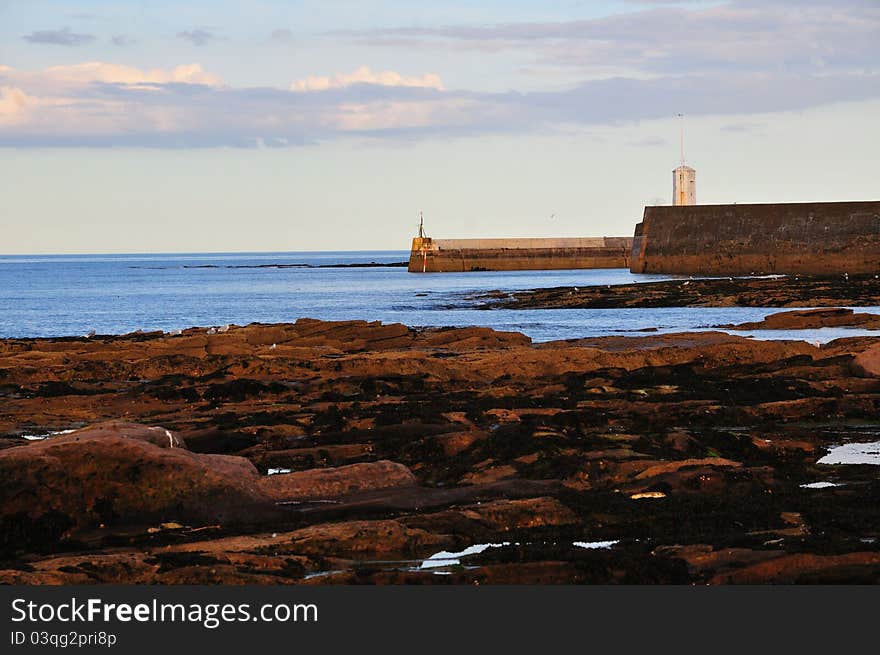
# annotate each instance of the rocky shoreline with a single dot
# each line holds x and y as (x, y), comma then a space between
(355, 452)
(771, 291)
(810, 319)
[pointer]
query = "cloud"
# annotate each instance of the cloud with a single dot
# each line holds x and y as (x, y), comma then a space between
(404, 116)
(197, 37)
(121, 40)
(59, 37)
(96, 103)
(13, 103)
(662, 2)
(103, 104)
(364, 75)
(735, 58)
(76, 79)
(738, 36)
(16, 105)
(283, 35)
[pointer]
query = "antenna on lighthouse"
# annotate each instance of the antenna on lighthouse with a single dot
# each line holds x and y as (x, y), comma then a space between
(681, 136)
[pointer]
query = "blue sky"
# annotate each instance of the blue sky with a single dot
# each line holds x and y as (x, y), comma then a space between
(190, 126)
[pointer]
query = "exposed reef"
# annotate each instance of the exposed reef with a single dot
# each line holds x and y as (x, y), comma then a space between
(774, 291)
(397, 454)
(810, 319)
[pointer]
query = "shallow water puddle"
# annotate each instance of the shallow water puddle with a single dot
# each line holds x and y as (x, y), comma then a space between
(322, 574)
(439, 563)
(445, 558)
(853, 453)
(277, 471)
(595, 544)
(40, 437)
(308, 502)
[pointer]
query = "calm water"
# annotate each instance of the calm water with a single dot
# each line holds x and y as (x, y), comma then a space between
(114, 294)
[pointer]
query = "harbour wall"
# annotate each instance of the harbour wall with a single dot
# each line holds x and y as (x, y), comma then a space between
(459, 255)
(807, 238)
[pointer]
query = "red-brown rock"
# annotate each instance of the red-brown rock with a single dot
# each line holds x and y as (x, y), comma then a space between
(121, 473)
(333, 482)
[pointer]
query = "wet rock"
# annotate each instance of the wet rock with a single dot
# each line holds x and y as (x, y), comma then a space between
(212, 440)
(784, 291)
(867, 363)
(156, 435)
(359, 539)
(811, 319)
(490, 474)
(352, 336)
(505, 515)
(521, 573)
(111, 568)
(120, 473)
(334, 482)
(404, 442)
(659, 470)
(454, 443)
(703, 558)
(315, 457)
(851, 568)
(473, 337)
(478, 521)
(225, 574)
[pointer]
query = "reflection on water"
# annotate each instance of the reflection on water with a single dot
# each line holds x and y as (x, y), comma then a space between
(40, 437)
(853, 453)
(445, 558)
(595, 544)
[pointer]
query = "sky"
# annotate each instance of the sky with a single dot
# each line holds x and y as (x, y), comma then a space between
(202, 126)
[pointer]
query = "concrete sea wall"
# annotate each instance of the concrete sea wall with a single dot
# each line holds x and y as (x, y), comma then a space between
(460, 255)
(806, 238)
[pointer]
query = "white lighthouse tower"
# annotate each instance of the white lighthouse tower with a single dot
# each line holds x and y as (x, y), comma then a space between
(684, 178)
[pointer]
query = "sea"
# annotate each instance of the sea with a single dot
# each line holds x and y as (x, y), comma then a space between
(74, 295)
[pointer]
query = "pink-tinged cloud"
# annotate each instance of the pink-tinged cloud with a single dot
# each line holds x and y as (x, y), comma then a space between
(67, 102)
(100, 104)
(57, 79)
(364, 75)
(13, 104)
